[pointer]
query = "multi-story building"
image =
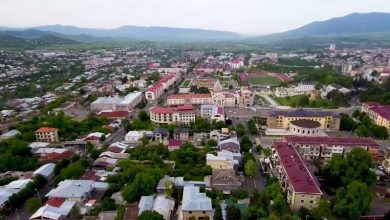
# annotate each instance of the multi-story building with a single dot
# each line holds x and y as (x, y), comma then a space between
(195, 205)
(183, 114)
(116, 103)
(225, 99)
(282, 119)
(245, 97)
(193, 99)
(154, 92)
(212, 112)
(47, 134)
(297, 181)
(325, 147)
(379, 114)
(221, 162)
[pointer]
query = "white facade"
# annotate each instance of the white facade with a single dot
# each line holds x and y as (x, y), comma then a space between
(116, 103)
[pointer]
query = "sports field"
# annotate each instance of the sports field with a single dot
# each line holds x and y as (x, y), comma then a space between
(264, 80)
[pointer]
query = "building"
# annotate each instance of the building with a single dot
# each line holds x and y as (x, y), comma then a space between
(193, 99)
(113, 115)
(78, 191)
(379, 114)
(161, 135)
(325, 147)
(46, 171)
(296, 180)
(386, 163)
(282, 119)
(11, 189)
(331, 87)
(116, 103)
(246, 97)
(221, 162)
(225, 99)
(181, 134)
(195, 204)
(183, 114)
(160, 204)
(47, 134)
(134, 136)
(305, 127)
(332, 47)
(9, 134)
(155, 91)
(225, 180)
(174, 144)
(231, 144)
(212, 112)
(54, 209)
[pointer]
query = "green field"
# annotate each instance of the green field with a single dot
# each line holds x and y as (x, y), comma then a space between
(186, 83)
(264, 80)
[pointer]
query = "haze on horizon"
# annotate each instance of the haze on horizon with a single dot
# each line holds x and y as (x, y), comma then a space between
(241, 16)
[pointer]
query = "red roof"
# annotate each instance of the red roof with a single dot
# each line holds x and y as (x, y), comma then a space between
(382, 110)
(115, 149)
(169, 110)
(115, 114)
(344, 141)
(46, 129)
(57, 156)
(301, 179)
(189, 96)
(55, 202)
(173, 143)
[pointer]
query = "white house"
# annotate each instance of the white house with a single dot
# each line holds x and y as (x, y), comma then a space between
(134, 136)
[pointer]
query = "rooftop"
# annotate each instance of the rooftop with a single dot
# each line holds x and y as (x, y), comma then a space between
(345, 141)
(170, 110)
(46, 129)
(298, 174)
(306, 123)
(194, 200)
(303, 113)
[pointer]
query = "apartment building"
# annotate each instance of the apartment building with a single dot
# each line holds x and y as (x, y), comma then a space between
(212, 112)
(193, 99)
(183, 114)
(296, 180)
(155, 91)
(47, 134)
(311, 147)
(379, 114)
(282, 119)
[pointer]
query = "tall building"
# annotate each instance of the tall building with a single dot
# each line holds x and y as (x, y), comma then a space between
(116, 103)
(379, 114)
(332, 47)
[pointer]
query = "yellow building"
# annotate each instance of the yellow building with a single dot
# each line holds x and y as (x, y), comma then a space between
(379, 114)
(294, 177)
(282, 119)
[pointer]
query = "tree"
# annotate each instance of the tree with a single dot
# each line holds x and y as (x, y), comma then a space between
(347, 123)
(245, 143)
(33, 204)
(150, 215)
(240, 129)
(279, 205)
(303, 101)
(250, 168)
(323, 210)
(232, 212)
(143, 116)
(218, 213)
(356, 113)
(102, 138)
(108, 204)
(212, 143)
(353, 200)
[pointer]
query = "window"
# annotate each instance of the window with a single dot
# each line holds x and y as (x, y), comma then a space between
(302, 201)
(311, 201)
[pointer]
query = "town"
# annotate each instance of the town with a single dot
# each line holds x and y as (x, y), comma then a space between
(146, 132)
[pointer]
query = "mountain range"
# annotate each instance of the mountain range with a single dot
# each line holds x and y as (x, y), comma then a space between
(356, 25)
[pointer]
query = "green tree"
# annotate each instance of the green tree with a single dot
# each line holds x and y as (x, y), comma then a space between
(347, 123)
(33, 204)
(323, 210)
(279, 205)
(240, 129)
(356, 113)
(212, 143)
(245, 143)
(232, 212)
(150, 215)
(143, 116)
(108, 204)
(250, 168)
(303, 101)
(218, 213)
(353, 200)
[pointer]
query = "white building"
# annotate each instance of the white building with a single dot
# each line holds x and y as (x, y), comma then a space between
(183, 114)
(134, 136)
(212, 112)
(116, 103)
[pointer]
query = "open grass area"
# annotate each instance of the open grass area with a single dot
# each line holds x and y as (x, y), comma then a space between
(186, 83)
(264, 80)
(293, 101)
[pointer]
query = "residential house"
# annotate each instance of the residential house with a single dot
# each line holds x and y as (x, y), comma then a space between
(174, 144)
(225, 180)
(160, 204)
(195, 204)
(161, 135)
(46, 170)
(231, 144)
(9, 134)
(181, 134)
(54, 209)
(134, 136)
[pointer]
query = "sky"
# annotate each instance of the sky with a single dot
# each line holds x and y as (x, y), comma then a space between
(242, 16)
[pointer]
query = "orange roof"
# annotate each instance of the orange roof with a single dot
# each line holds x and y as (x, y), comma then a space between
(46, 129)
